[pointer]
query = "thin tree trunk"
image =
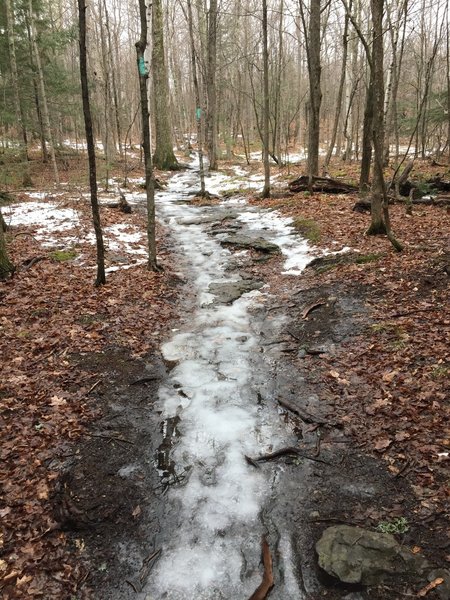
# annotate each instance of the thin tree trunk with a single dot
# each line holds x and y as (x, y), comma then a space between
(380, 221)
(6, 266)
(36, 95)
(45, 113)
(198, 109)
(266, 108)
(340, 94)
(141, 45)
(20, 116)
(211, 115)
(101, 277)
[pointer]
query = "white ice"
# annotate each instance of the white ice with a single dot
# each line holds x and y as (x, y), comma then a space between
(214, 514)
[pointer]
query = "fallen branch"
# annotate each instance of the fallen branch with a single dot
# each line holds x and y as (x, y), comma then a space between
(304, 416)
(312, 307)
(92, 388)
(290, 451)
(267, 583)
(145, 380)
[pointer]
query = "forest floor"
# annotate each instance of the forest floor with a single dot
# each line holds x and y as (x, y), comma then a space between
(369, 334)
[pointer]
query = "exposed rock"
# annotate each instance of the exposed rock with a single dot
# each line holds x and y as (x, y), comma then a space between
(230, 291)
(215, 216)
(243, 241)
(356, 555)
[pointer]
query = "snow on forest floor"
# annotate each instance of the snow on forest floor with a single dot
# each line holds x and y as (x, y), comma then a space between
(66, 226)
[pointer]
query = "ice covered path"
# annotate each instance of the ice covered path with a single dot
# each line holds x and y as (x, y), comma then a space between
(218, 406)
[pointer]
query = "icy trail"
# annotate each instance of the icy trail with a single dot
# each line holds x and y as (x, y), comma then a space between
(214, 511)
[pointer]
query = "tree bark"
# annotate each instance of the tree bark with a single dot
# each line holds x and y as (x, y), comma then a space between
(164, 157)
(141, 45)
(315, 92)
(20, 115)
(101, 276)
(198, 105)
(380, 221)
(266, 107)
(366, 159)
(340, 95)
(45, 113)
(6, 266)
(211, 115)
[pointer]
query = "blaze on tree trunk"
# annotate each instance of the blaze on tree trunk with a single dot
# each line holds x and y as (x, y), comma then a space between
(141, 45)
(101, 277)
(164, 157)
(6, 266)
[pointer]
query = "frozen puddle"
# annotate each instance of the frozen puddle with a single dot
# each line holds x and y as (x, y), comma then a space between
(213, 516)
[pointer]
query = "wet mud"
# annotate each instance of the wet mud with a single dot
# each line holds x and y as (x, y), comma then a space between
(167, 497)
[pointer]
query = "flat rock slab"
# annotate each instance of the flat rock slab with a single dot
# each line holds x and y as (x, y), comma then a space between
(214, 217)
(229, 291)
(359, 556)
(243, 241)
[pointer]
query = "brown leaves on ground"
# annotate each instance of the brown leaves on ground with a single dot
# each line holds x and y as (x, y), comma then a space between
(390, 384)
(48, 313)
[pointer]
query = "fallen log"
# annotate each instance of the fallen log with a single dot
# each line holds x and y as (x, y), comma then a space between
(321, 184)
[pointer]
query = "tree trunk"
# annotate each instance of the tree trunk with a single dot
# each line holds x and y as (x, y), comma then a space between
(366, 159)
(380, 222)
(198, 109)
(6, 266)
(164, 157)
(101, 277)
(211, 115)
(141, 45)
(315, 92)
(20, 115)
(340, 95)
(45, 113)
(266, 108)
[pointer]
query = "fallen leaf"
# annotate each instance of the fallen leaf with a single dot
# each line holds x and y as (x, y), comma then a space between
(431, 586)
(382, 444)
(137, 511)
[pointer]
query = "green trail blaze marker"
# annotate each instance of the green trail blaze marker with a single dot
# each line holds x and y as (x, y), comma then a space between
(198, 113)
(142, 67)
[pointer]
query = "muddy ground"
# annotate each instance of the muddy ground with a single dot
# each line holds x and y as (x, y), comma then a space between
(110, 499)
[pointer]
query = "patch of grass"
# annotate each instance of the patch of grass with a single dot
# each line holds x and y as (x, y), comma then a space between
(64, 255)
(232, 192)
(399, 525)
(440, 371)
(363, 259)
(308, 228)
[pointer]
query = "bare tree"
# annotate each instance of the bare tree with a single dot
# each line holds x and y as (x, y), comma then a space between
(6, 266)
(101, 276)
(211, 115)
(266, 106)
(141, 45)
(313, 39)
(20, 115)
(164, 157)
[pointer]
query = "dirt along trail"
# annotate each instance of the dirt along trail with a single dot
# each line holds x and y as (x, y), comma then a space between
(220, 394)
